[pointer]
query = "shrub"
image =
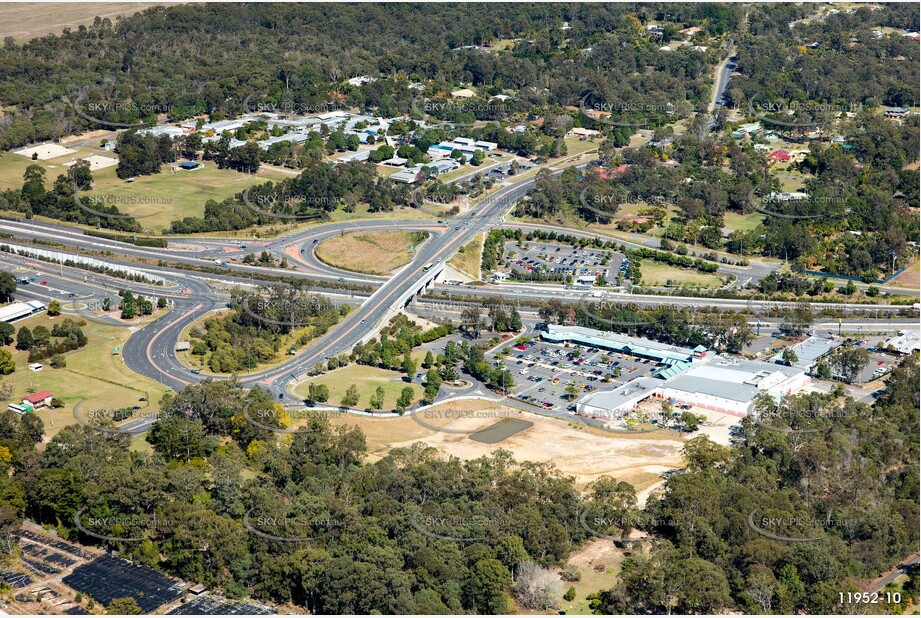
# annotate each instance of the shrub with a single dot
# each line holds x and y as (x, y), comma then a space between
(571, 573)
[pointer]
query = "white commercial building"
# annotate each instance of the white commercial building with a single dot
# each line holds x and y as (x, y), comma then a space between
(685, 376)
(731, 385)
(907, 342)
(295, 138)
(349, 157)
(15, 311)
(161, 130)
(444, 166)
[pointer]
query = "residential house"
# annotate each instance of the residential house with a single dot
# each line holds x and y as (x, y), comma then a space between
(41, 399)
(362, 80)
(606, 173)
(897, 112)
(586, 133)
(779, 155)
(463, 93)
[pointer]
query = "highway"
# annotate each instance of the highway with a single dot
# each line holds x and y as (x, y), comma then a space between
(150, 351)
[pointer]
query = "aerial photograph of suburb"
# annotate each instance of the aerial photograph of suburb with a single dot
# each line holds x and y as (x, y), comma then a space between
(460, 308)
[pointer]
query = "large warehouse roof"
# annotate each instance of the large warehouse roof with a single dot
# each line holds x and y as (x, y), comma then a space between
(733, 379)
(812, 349)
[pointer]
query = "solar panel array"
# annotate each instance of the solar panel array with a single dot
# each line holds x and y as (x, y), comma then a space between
(107, 578)
(15, 579)
(213, 606)
(39, 567)
(56, 543)
(46, 555)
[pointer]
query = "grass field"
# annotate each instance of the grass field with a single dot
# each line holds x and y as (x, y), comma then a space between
(93, 374)
(155, 200)
(13, 166)
(158, 199)
(575, 146)
(366, 379)
(657, 274)
(745, 223)
(361, 212)
(372, 253)
(596, 553)
(467, 259)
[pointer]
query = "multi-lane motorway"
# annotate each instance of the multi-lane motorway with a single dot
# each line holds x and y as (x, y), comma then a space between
(150, 350)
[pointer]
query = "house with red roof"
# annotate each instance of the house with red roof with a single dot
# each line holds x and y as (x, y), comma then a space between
(41, 399)
(606, 173)
(779, 155)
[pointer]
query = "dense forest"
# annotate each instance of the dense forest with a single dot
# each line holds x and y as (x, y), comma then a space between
(417, 532)
(847, 477)
(823, 60)
(185, 61)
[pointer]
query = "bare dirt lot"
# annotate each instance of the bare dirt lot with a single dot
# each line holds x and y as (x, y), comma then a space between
(27, 20)
(582, 453)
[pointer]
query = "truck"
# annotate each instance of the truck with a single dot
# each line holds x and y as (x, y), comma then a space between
(220, 262)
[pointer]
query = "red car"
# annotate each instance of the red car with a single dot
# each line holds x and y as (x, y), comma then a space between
(44, 283)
